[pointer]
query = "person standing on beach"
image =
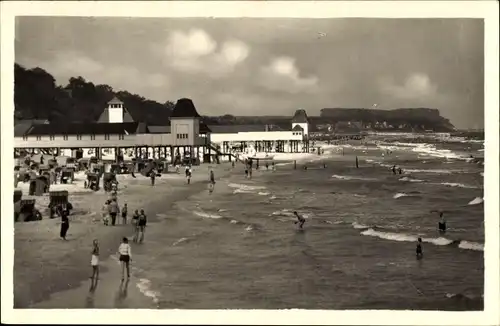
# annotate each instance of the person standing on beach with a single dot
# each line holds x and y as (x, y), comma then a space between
(273, 166)
(135, 223)
(267, 165)
(63, 212)
(124, 213)
(113, 211)
(152, 175)
(94, 262)
(300, 219)
(188, 175)
(142, 225)
(125, 253)
(212, 176)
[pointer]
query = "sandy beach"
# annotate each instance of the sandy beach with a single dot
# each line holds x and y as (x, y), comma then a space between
(44, 264)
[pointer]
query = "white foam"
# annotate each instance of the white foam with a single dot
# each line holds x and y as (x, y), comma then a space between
(402, 237)
(249, 228)
(459, 185)
(476, 201)
(408, 179)
(207, 215)
(345, 177)
(359, 226)
(234, 222)
(263, 193)
(471, 245)
(440, 171)
(144, 287)
(399, 195)
(179, 241)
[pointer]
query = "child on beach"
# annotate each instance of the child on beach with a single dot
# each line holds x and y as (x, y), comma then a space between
(188, 175)
(419, 251)
(104, 213)
(125, 257)
(124, 213)
(94, 262)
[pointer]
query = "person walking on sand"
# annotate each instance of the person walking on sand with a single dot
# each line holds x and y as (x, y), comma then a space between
(142, 225)
(125, 253)
(105, 212)
(63, 212)
(267, 165)
(188, 175)
(152, 175)
(94, 261)
(113, 211)
(124, 213)
(135, 223)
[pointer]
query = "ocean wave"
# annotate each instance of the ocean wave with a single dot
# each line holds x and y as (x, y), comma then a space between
(476, 201)
(245, 189)
(263, 193)
(399, 195)
(179, 241)
(144, 286)
(459, 185)
(440, 171)
(408, 179)
(441, 241)
(359, 226)
(346, 177)
(207, 215)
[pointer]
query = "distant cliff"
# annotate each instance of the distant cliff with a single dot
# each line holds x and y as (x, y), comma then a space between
(405, 119)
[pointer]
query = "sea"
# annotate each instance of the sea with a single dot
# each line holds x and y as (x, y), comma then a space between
(239, 248)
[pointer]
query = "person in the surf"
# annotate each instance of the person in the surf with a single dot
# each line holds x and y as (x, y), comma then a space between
(300, 219)
(400, 170)
(393, 169)
(419, 251)
(442, 223)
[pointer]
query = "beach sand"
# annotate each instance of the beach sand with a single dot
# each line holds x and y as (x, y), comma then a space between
(44, 264)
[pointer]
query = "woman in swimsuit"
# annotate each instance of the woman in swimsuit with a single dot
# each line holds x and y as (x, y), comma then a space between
(94, 262)
(125, 257)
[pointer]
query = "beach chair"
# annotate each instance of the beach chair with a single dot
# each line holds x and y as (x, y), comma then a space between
(93, 181)
(58, 198)
(27, 211)
(108, 179)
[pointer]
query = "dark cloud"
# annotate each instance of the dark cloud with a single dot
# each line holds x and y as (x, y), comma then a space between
(270, 66)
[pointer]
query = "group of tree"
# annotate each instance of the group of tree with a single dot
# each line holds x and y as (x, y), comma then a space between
(37, 96)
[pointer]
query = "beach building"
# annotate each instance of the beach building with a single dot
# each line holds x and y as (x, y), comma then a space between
(117, 136)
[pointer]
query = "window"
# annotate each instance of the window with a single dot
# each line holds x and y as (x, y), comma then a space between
(121, 137)
(52, 137)
(92, 137)
(25, 137)
(65, 137)
(106, 137)
(38, 137)
(182, 136)
(78, 137)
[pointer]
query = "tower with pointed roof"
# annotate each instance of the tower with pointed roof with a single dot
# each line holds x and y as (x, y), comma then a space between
(115, 112)
(300, 120)
(184, 123)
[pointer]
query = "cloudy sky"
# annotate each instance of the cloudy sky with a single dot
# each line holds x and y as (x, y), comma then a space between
(254, 66)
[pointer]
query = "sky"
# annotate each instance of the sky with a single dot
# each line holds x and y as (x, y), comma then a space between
(263, 66)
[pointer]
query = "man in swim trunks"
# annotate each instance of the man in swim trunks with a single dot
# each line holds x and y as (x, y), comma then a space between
(301, 220)
(442, 223)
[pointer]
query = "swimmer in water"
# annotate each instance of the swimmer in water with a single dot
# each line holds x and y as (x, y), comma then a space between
(419, 251)
(394, 169)
(301, 220)
(442, 223)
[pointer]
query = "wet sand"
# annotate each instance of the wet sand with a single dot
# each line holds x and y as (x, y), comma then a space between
(44, 264)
